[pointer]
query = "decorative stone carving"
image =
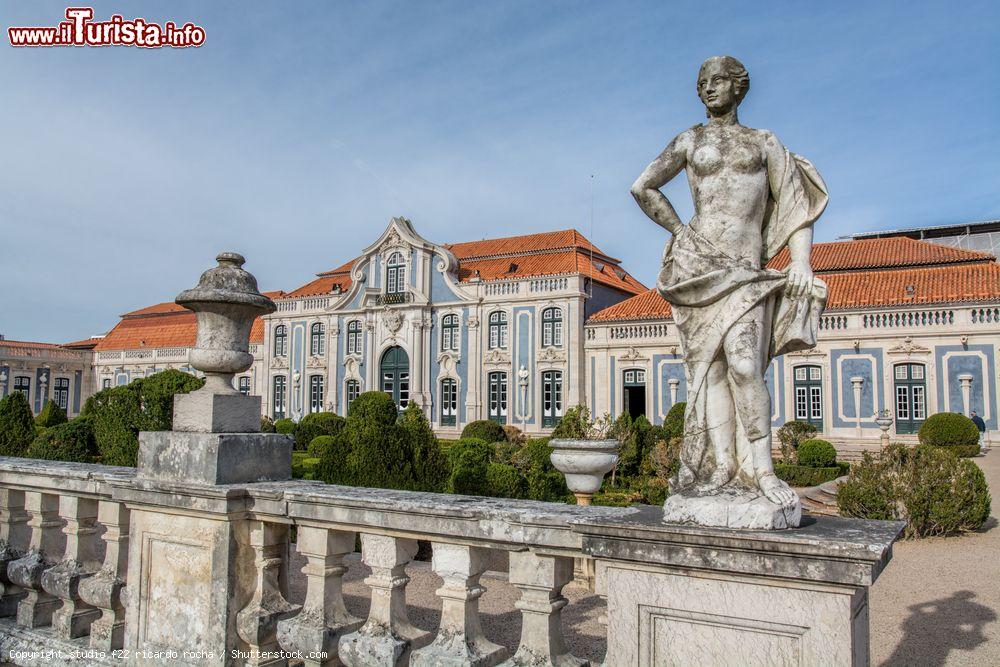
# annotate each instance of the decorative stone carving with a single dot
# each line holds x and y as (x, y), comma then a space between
(552, 354)
(315, 362)
(392, 319)
(633, 354)
(908, 348)
(733, 314)
(473, 322)
(496, 357)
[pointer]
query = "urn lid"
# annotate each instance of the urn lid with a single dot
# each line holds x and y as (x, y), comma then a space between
(227, 283)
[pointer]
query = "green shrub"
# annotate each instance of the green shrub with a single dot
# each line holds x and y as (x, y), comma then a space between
(304, 466)
(118, 414)
(930, 488)
(952, 430)
(816, 453)
(319, 446)
(470, 459)
(803, 475)
(617, 498)
(372, 409)
(333, 454)
(574, 424)
(317, 424)
(654, 490)
(430, 465)
(486, 430)
(69, 441)
(544, 481)
(285, 426)
(267, 425)
(51, 415)
(791, 435)
(673, 424)
(17, 427)
(505, 481)
(665, 458)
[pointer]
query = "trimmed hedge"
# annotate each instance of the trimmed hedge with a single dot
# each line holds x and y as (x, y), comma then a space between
(285, 426)
(316, 424)
(304, 466)
(69, 441)
(470, 459)
(373, 408)
(485, 430)
(952, 430)
(929, 487)
(17, 427)
(430, 465)
(51, 415)
(816, 453)
(505, 481)
(803, 475)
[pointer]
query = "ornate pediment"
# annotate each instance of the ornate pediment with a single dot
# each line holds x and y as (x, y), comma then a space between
(908, 348)
(552, 354)
(279, 362)
(811, 352)
(315, 361)
(633, 355)
(497, 357)
(449, 362)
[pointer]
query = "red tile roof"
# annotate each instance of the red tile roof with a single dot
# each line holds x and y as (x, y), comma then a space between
(28, 343)
(567, 239)
(868, 273)
(85, 344)
(886, 253)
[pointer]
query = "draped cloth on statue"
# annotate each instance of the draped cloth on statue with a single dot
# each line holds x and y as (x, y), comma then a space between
(710, 291)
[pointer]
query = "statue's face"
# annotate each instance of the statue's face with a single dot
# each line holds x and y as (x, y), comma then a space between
(716, 88)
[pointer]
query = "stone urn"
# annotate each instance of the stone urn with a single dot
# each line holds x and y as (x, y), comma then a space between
(584, 463)
(226, 301)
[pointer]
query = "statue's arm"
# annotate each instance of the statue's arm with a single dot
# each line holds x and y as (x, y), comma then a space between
(800, 274)
(646, 188)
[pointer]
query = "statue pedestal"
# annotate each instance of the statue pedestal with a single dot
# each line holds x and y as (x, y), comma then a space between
(684, 595)
(731, 508)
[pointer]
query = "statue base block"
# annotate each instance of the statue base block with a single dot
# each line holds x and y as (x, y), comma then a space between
(214, 458)
(731, 508)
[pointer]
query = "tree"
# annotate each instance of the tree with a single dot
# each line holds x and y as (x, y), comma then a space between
(51, 415)
(430, 466)
(17, 427)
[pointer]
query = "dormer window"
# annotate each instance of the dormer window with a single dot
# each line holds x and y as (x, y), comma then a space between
(395, 275)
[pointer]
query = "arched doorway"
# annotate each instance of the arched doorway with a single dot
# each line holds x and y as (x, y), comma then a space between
(395, 370)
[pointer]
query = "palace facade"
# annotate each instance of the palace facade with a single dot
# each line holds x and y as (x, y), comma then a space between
(518, 329)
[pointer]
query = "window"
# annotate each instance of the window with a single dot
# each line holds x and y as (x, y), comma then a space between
(279, 397)
(315, 393)
(809, 395)
(122, 378)
(23, 384)
(449, 402)
(280, 340)
(60, 392)
(552, 327)
(635, 376)
(449, 332)
(911, 401)
(244, 385)
(498, 329)
(551, 398)
(395, 275)
(106, 383)
(354, 337)
(317, 340)
(352, 389)
(498, 397)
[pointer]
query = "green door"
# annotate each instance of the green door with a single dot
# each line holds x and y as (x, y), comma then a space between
(395, 369)
(911, 390)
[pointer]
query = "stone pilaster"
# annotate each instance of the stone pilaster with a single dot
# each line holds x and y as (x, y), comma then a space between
(460, 639)
(324, 618)
(540, 579)
(387, 637)
(103, 590)
(74, 617)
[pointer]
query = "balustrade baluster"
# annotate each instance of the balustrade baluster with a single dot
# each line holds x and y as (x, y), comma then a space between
(460, 639)
(541, 579)
(257, 623)
(387, 637)
(103, 590)
(36, 609)
(14, 536)
(324, 618)
(73, 618)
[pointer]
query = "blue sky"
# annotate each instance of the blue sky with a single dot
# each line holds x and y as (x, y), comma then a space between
(298, 129)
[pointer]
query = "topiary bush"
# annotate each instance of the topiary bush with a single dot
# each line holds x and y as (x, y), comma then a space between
(505, 481)
(803, 475)
(952, 430)
(285, 426)
(486, 430)
(118, 414)
(316, 424)
(319, 446)
(816, 453)
(929, 487)
(430, 465)
(673, 424)
(791, 435)
(470, 459)
(51, 415)
(373, 408)
(17, 427)
(69, 441)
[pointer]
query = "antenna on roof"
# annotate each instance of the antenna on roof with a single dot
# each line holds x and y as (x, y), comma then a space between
(590, 283)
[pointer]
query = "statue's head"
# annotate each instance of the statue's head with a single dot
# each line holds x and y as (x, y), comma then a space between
(723, 82)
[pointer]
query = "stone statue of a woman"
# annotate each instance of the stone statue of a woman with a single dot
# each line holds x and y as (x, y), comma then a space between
(752, 198)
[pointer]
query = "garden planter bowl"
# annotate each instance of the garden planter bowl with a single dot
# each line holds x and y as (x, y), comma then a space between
(584, 463)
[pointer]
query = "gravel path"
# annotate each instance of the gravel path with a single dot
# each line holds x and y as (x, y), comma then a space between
(937, 603)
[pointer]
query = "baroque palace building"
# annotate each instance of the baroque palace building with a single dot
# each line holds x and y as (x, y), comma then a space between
(518, 329)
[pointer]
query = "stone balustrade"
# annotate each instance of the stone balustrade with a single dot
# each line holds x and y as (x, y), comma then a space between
(66, 532)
